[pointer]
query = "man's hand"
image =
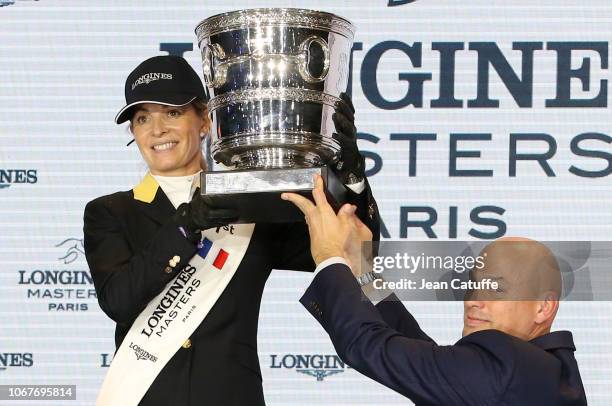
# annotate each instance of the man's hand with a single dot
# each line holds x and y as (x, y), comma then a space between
(199, 215)
(332, 235)
(329, 233)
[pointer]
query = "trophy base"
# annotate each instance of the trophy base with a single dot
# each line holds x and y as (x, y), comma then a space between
(255, 194)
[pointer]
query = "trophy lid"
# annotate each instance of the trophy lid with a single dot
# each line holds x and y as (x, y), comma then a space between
(257, 17)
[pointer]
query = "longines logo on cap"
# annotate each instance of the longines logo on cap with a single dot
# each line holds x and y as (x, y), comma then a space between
(151, 77)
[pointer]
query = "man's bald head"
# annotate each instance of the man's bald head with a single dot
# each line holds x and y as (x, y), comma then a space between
(529, 289)
(528, 264)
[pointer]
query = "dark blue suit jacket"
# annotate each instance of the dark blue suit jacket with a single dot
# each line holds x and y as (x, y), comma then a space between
(488, 367)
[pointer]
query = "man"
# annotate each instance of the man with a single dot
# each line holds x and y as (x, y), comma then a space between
(507, 355)
(184, 290)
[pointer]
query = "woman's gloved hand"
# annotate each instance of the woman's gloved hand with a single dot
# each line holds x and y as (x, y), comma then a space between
(350, 168)
(199, 214)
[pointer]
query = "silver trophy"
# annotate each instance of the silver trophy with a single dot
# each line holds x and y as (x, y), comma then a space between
(274, 76)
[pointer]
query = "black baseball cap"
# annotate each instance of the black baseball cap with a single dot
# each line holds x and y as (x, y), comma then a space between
(165, 79)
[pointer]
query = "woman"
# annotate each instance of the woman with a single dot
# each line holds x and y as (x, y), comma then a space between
(137, 241)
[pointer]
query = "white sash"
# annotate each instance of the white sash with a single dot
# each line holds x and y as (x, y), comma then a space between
(173, 315)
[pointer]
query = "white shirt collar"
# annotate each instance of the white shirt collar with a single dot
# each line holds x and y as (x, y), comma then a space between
(179, 189)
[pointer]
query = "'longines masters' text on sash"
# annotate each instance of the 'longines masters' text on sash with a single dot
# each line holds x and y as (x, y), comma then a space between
(173, 315)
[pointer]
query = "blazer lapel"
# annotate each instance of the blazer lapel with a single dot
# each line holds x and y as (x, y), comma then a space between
(151, 200)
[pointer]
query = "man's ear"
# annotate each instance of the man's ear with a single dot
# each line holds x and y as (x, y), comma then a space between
(547, 308)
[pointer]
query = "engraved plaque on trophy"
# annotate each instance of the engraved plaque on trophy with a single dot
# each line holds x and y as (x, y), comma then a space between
(274, 76)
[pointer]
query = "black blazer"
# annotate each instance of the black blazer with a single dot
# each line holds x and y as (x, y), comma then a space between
(129, 239)
(488, 367)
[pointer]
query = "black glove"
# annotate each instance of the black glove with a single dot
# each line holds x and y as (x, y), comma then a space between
(350, 168)
(199, 215)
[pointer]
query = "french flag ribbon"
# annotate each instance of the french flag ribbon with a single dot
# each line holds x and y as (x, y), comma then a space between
(204, 247)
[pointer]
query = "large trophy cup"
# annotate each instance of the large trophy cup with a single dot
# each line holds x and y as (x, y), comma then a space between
(274, 76)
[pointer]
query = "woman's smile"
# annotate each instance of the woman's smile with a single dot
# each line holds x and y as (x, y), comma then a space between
(164, 147)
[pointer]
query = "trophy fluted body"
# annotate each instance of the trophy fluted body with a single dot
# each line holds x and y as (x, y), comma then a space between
(274, 77)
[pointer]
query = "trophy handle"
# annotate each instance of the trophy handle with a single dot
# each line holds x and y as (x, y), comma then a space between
(215, 63)
(303, 65)
(213, 58)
